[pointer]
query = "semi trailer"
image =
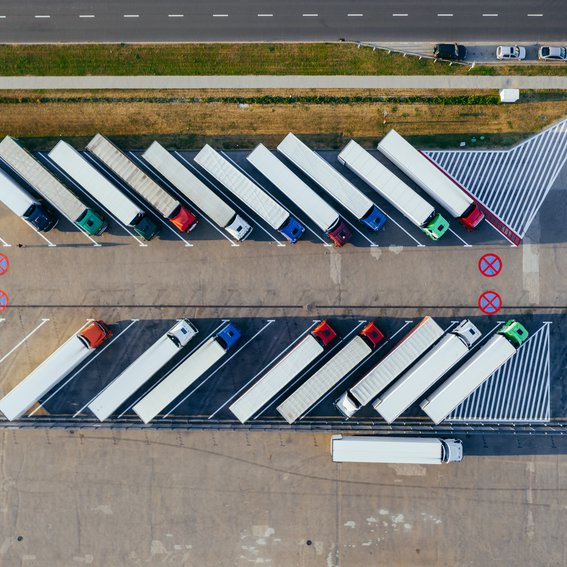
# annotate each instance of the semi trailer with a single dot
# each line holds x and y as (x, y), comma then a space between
(448, 352)
(166, 205)
(50, 188)
(196, 191)
(128, 382)
(483, 364)
(52, 370)
(420, 339)
(434, 181)
(414, 207)
(318, 210)
(280, 375)
(328, 376)
(331, 181)
(190, 370)
(72, 163)
(249, 193)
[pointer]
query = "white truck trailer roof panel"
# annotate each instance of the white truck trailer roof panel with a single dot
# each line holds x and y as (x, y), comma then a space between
(318, 210)
(324, 379)
(189, 184)
(179, 380)
(146, 187)
(247, 191)
(276, 379)
(387, 184)
(92, 181)
(468, 378)
(412, 346)
(28, 168)
(45, 377)
(426, 174)
(325, 175)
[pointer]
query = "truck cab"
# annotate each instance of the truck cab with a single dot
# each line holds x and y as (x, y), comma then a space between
(94, 334)
(472, 218)
(451, 450)
(515, 332)
(374, 219)
(92, 222)
(182, 332)
(41, 217)
(183, 219)
(347, 405)
(340, 234)
(372, 334)
(467, 332)
(324, 333)
(228, 336)
(292, 230)
(238, 228)
(146, 227)
(435, 227)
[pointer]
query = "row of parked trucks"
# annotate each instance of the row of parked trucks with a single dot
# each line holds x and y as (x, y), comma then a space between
(103, 168)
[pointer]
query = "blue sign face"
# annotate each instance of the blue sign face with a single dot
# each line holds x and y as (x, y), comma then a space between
(4, 264)
(490, 265)
(3, 300)
(490, 302)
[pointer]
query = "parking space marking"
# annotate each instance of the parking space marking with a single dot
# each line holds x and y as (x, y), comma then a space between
(278, 357)
(5, 244)
(465, 243)
(49, 243)
(43, 322)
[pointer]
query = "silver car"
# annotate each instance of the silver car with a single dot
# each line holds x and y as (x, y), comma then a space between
(504, 52)
(552, 53)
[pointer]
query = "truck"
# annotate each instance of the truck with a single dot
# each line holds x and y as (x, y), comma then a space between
(190, 370)
(328, 376)
(50, 188)
(483, 364)
(420, 339)
(433, 180)
(21, 203)
(395, 450)
(414, 207)
(74, 165)
(318, 210)
(250, 194)
(196, 191)
(450, 350)
(331, 181)
(282, 373)
(130, 380)
(166, 205)
(52, 370)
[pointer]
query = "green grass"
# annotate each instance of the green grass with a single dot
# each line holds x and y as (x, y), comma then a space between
(231, 59)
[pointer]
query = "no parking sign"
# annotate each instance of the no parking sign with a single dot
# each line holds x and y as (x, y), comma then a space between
(490, 265)
(489, 302)
(4, 264)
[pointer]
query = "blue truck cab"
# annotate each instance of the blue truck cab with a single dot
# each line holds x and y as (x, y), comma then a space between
(374, 219)
(292, 229)
(228, 336)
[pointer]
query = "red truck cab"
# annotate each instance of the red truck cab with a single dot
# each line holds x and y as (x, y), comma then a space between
(184, 219)
(472, 218)
(95, 334)
(372, 334)
(324, 333)
(340, 234)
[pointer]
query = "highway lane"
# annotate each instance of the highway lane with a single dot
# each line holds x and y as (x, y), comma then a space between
(36, 21)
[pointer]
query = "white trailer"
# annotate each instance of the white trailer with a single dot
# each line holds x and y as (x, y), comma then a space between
(101, 189)
(249, 193)
(420, 339)
(435, 182)
(52, 370)
(431, 368)
(280, 375)
(414, 207)
(483, 364)
(330, 374)
(397, 450)
(186, 374)
(196, 191)
(128, 382)
(318, 210)
(329, 179)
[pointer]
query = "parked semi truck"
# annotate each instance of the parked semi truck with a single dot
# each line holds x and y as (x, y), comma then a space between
(186, 373)
(21, 203)
(129, 381)
(420, 339)
(435, 182)
(249, 193)
(394, 190)
(430, 369)
(318, 210)
(339, 366)
(330, 180)
(396, 450)
(167, 206)
(102, 190)
(48, 186)
(280, 375)
(483, 364)
(52, 370)
(196, 191)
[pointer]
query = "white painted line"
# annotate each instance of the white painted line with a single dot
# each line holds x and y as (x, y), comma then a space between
(131, 15)
(490, 15)
(175, 15)
(310, 15)
(445, 15)
(86, 16)
(4, 243)
(467, 245)
(399, 15)
(43, 321)
(220, 15)
(535, 15)
(49, 243)
(265, 15)
(2, 17)
(355, 15)
(42, 16)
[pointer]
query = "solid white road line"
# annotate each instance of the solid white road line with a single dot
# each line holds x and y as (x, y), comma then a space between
(43, 321)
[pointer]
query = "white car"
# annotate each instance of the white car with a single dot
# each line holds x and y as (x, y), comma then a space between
(552, 53)
(510, 52)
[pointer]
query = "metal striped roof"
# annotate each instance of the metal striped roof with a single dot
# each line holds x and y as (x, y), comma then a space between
(518, 391)
(512, 183)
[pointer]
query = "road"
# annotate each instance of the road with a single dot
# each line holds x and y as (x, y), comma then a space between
(37, 21)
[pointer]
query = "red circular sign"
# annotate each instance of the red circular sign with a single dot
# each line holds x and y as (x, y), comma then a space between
(489, 302)
(490, 265)
(3, 300)
(4, 264)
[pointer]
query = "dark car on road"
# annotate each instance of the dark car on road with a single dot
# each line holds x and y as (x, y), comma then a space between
(450, 51)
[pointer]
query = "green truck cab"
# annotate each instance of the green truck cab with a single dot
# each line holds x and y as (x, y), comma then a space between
(435, 227)
(92, 222)
(515, 332)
